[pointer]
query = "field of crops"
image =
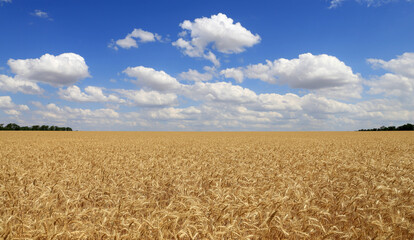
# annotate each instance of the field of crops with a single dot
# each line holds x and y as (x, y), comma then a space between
(136, 185)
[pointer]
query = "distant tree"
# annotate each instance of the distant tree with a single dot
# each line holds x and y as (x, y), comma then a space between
(405, 127)
(25, 128)
(12, 127)
(15, 127)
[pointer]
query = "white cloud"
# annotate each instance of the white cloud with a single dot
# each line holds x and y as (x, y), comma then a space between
(335, 3)
(308, 72)
(391, 85)
(12, 112)
(274, 101)
(320, 105)
(41, 14)
(235, 73)
(10, 108)
(220, 32)
(61, 70)
(398, 83)
(131, 39)
(67, 113)
(402, 65)
(91, 94)
(219, 92)
(14, 85)
(175, 113)
(127, 43)
(322, 74)
(212, 58)
(149, 98)
(152, 79)
(6, 102)
(194, 75)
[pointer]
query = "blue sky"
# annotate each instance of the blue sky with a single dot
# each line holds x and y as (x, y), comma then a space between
(207, 65)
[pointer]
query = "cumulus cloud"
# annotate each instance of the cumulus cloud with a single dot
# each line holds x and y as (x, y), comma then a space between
(10, 108)
(220, 32)
(320, 73)
(61, 70)
(14, 85)
(321, 105)
(67, 113)
(130, 41)
(91, 94)
(194, 75)
(235, 73)
(152, 79)
(398, 83)
(219, 92)
(402, 65)
(175, 113)
(149, 98)
(391, 85)
(274, 101)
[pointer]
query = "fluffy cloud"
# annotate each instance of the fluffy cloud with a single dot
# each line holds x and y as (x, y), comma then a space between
(220, 32)
(398, 83)
(320, 73)
(175, 113)
(219, 92)
(194, 75)
(308, 72)
(10, 108)
(402, 65)
(14, 85)
(91, 94)
(320, 105)
(67, 113)
(152, 79)
(391, 85)
(131, 39)
(61, 70)
(235, 73)
(274, 101)
(149, 98)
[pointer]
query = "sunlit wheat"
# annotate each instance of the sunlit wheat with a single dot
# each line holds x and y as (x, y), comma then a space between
(130, 185)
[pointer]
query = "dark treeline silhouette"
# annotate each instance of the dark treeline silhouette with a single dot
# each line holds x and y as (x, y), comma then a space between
(405, 127)
(15, 127)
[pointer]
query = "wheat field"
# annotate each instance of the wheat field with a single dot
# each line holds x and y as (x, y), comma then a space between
(172, 185)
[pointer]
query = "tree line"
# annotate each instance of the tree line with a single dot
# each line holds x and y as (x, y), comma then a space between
(405, 127)
(15, 127)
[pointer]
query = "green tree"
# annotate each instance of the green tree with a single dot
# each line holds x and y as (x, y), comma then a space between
(12, 127)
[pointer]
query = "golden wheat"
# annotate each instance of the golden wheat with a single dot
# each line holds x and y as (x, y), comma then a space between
(135, 185)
